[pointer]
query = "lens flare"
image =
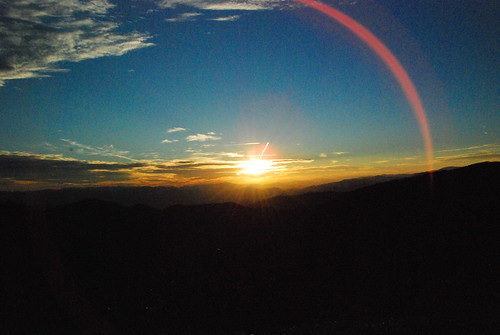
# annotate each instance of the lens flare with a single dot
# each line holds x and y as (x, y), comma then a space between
(392, 63)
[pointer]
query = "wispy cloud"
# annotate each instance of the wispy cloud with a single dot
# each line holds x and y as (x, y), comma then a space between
(472, 156)
(214, 156)
(202, 137)
(469, 154)
(224, 4)
(184, 17)
(323, 155)
(476, 147)
(106, 151)
(248, 143)
(36, 35)
(175, 129)
(339, 153)
(169, 141)
(226, 18)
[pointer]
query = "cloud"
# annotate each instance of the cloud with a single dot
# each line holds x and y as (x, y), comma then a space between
(56, 169)
(476, 147)
(202, 138)
(36, 35)
(224, 4)
(175, 129)
(29, 171)
(338, 153)
(292, 160)
(479, 152)
(184, 17)
(323, 155)
(473, 156)
(226, 18)
(216, 155)
(190, 165)
(169, 141)
(107, 150)
(23, 170)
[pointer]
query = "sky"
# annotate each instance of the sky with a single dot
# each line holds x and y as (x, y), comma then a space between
(271, 92)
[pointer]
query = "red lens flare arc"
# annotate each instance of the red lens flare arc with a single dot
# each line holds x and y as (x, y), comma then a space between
(392, 63)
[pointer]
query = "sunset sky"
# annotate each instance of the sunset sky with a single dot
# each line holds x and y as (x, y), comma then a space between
(176, 92)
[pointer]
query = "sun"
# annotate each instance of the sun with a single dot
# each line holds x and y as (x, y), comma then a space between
(255, 167)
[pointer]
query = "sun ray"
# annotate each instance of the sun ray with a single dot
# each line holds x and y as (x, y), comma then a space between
(255, 167)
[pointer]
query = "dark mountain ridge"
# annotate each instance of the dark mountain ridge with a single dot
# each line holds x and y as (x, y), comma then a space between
(164, 196)
(410, 256)
(158, 197)
(351, 184)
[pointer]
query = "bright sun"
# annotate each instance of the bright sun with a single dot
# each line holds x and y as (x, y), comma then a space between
(255, 167)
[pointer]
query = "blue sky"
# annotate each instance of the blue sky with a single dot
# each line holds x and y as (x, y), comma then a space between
(175, 92)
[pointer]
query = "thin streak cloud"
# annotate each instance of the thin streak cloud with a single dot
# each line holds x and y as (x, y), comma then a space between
(184, 17)
(107, 151)
(226, 18)
(224, 4)
(484, 146)
(202, 138)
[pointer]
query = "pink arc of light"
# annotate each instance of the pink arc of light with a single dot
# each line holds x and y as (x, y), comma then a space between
(392, 63)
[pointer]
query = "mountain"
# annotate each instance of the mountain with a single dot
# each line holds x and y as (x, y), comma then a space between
(158, 197)
(347, 185)
(162, 197)
(416, 255)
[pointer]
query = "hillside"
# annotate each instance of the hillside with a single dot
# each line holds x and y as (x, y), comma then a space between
(409, 256)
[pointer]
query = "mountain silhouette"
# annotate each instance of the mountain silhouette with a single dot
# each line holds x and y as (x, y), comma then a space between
(347, 185)
(158, 197)
(415, 255)
(161, 197)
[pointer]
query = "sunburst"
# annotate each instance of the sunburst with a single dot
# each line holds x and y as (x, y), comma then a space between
(255, 167)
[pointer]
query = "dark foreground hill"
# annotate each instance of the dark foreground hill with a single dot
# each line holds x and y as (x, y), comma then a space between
(410, 256)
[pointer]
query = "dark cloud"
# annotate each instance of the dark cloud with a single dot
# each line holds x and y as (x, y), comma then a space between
(37, 168)
(159, 168)
(36, 35)
(5, 64)
(55, 170)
